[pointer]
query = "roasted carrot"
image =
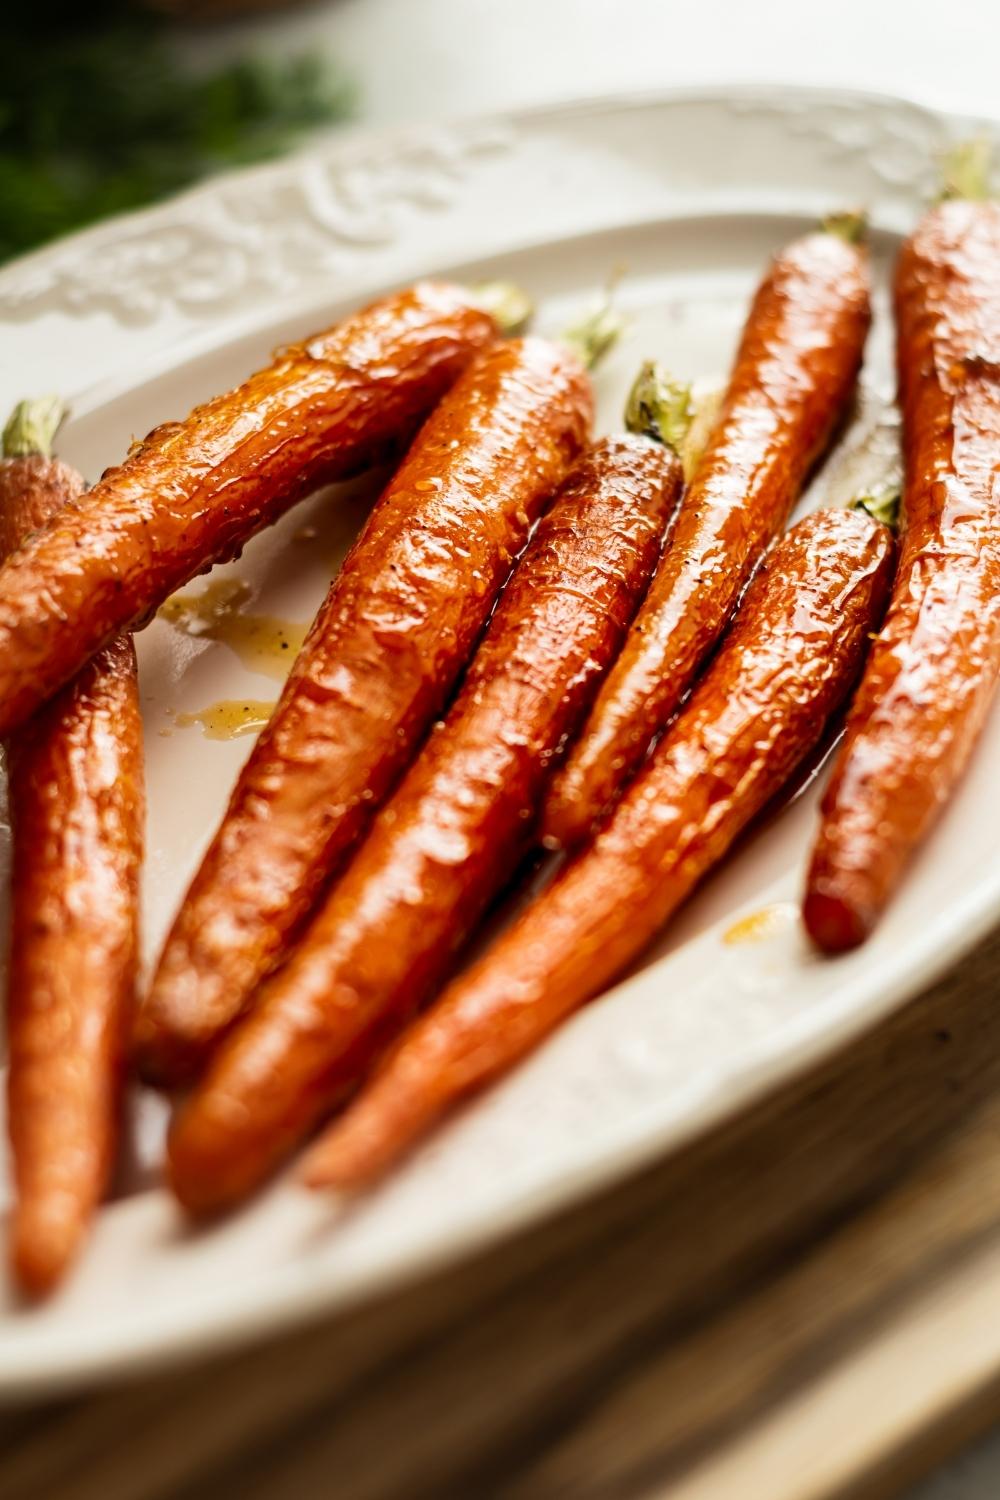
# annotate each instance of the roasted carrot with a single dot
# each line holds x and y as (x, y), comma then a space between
(932, 673)
(789, 660)
(791, 382)
(34, 484)
(449, 837)
(192, 493)
(398, 625)
(75, 788)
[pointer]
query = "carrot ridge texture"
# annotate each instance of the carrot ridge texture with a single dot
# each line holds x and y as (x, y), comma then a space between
(448, 839)
(75, 774)
(193, 492)
(932, 674)
(399, 623)
(788, 662)
(791, 383)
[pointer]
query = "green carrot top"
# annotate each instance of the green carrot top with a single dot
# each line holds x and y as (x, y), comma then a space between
(32, 426)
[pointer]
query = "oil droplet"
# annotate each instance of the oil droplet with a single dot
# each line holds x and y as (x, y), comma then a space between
(229, 718)
(196, 614)
(758, 926)
(263, 643)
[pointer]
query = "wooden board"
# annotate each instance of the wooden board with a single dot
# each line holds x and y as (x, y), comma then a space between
(802, 1307)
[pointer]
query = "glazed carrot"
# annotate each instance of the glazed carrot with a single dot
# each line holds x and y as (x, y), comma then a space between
(933, 671)
(192, 493)
(75, 787)
(789, 660)
(398, 625)
(34, 485)
(447, 840)
(793, 377)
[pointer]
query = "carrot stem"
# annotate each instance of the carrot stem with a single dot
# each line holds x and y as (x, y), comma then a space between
(596, 332)
(850, 224)
(966, 170)
(659, 407)
(32, 427)
(881, 503)
(508, 305)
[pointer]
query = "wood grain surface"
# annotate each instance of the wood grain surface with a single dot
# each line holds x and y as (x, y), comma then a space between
(799, 1307)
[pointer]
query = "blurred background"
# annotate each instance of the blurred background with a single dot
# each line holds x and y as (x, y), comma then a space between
(110, 104)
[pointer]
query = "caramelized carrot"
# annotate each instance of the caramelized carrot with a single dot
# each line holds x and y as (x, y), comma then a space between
(75, 787)
(793, 377)
(933, 671)
(34, 485)
(192, 493)
(397, 627)
(447, 840)
(790, 659)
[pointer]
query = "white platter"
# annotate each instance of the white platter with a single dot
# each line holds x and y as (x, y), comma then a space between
(136, 320)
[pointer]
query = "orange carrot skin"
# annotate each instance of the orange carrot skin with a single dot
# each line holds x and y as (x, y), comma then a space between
(399, 623)
(76, 795)
(33, 489)
(794, 374)
(193, 492)
(789, 660)
(932, 674)
(449, 837)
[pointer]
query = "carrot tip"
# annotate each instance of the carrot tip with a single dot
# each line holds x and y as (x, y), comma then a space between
(560, 830)
(161, 1063)
(45, 1238)
(321, 1175)
(340, 1162)
(833, 923)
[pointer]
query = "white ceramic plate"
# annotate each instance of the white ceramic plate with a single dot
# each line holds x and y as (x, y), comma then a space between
(136, 320)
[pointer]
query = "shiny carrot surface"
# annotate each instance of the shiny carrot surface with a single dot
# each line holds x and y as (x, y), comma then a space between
(447, 840)
(792, 380)
(33, 488)
(397, 627)
(76, 796)
(933, 671)
(789, 660)
(193, 492)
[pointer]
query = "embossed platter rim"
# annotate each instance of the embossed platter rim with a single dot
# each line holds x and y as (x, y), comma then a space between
(705, 1026)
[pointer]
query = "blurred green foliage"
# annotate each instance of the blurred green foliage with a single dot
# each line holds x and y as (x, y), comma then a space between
(98, 114)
